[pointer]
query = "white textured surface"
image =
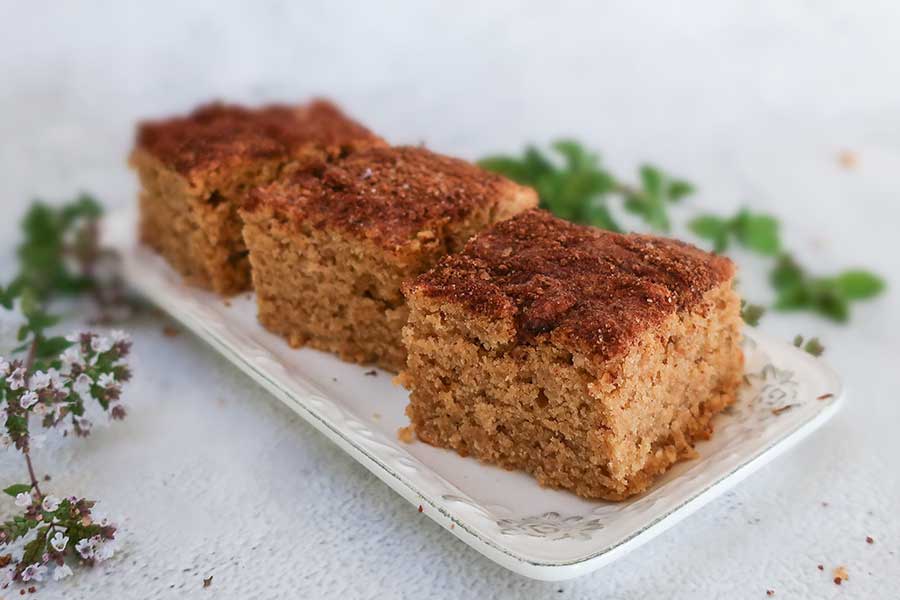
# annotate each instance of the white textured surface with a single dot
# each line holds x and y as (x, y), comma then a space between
(752, 101)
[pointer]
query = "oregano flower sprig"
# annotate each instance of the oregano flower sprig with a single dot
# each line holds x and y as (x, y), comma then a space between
(54, 532)
(54, 383)
(90, 367)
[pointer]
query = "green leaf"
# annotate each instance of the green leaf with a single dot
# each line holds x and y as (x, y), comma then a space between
(508, 167)
(576, 157)
(84, 207)
(536, 163)
(857, 284)
(51, 347)
(709, 227)
(574, 190)
(38, 321)
(833, 306)
(678, 189)
(792, 298)
(651, 180)
(787, 273)
(599, 216)
(9, 294)
(51, 235)
(814, 347)
(575, 187)
(34, 549)
(751, 313)
(757, 232)
(16, 489)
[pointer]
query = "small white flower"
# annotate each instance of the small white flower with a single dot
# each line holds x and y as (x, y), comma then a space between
(61, 572)
(74, 337)
(4, 367)
(82, 385)
(71, 356)
(34, 571)
(23, 499)
(28, 399)
(56, 378)
(118, 335)
(5, 440)
(59, 541)
(40, 410)
(106, 379)
(16, 380)
(104, 550)
(50, 504)
(39, 380)
(85, 548)
(101, 344)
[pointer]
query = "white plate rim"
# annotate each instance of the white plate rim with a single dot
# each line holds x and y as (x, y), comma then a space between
(547, 570)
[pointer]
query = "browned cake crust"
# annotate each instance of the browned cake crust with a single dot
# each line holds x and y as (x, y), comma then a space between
(591, 290)
(219, 135)
(389, 196)
(195, 169)
(331, 248)
(590, 359)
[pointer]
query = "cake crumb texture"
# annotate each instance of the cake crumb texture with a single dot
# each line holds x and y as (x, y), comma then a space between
(593, 361)
(194, 170)
(330, 249)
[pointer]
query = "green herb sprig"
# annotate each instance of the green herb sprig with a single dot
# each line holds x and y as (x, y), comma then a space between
(830, 296)
(49, 382)
(576, 186)
(755, 231)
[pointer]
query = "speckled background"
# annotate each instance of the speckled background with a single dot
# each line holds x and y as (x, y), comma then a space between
(752, 101)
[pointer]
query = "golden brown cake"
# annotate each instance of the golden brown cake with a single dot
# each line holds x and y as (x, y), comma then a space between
(195, 169)
(592, 360)
(329, 250)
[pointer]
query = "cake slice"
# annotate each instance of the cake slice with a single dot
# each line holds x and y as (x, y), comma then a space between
(329, 250)
(194, 169)
(592, 360)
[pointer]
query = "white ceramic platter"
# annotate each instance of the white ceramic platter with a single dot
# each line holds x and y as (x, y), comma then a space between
(537, 532)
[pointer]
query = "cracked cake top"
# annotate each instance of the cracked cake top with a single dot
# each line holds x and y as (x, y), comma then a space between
(390, 196)
(584, 287)
(224, 135)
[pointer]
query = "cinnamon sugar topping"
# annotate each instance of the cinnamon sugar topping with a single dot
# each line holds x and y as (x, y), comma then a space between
(388, 195)
(594, 288)
(217, 135)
